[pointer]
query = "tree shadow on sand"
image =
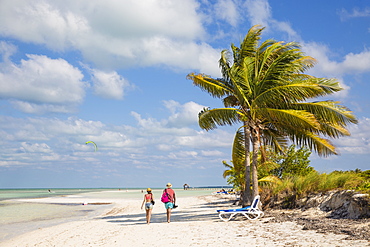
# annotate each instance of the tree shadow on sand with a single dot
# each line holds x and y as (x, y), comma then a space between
(176, 216)
(217, 204)
(199, 212)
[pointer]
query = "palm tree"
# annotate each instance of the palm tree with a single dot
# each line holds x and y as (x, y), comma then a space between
(236, 171)
(264, 88)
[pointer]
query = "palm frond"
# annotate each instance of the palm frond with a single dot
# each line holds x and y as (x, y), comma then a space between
(328, 111)
(285, 118)
(333, 130)
(323, 147)
(267, 166)
(297, 91)
(249, 45)
(224, 64)
(238, 149)
(231, 101)
(278, 62)
(215, 87)
(210, 119)
(270, 179)
(274, 138)
(240, 91)
(228, 172)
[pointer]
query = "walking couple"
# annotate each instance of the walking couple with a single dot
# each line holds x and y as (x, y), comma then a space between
(168, 198)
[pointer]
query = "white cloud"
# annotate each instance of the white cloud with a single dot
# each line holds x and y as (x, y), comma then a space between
(179, 54)
(176, 129)
(146, 123)
(356, 63)
(7, 50)
(259, 12)
(208, 61)
(356, 12)
(35, 147)
(165, 147)
(183, 154)
(109, 85)
(149, 140)
(38, 22)
(212, 153)
(227, 10)
(42, 82)
(217, 138)
(33, 108)
(359, 141)
(286, 28)
(182, 115)
(114, 34)
(132, 18)
(325, 67)
(350, 64)
(321, 53)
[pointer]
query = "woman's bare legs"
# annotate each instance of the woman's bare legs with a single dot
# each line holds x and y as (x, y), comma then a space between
(148, 215)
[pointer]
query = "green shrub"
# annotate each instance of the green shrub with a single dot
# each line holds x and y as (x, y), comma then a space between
(298, 186)
(303, 185)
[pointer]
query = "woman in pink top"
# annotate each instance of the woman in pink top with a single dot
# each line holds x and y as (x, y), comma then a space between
(149, 202)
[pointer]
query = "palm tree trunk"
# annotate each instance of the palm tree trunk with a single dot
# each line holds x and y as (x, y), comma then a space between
(255, 144)
(247, 197)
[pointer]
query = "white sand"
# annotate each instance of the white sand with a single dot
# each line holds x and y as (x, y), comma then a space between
(194, 223)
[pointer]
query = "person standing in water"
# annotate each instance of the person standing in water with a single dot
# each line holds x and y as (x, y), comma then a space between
(149, 202)
(172, 200)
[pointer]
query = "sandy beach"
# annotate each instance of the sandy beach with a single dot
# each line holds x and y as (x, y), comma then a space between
(194, 223)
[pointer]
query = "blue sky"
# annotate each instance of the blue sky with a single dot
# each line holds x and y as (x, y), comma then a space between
(114, 72)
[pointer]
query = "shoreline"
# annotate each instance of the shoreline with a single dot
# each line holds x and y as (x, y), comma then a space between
(9, 230)
(194, 223)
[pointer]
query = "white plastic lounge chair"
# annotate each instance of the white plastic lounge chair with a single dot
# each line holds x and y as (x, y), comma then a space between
(251, 212)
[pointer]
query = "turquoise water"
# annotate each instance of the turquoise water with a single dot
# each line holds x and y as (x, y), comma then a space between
(6, 194)
(18, 217)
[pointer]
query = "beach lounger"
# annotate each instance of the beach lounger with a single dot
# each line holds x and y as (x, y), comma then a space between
(251, 212)
(220, 193)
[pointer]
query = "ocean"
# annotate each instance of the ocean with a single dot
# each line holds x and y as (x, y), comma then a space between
(18, 216)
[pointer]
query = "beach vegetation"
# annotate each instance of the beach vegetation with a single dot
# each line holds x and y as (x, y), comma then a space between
(264, 89)
(289, 176)
(234, 175)
(292, 161)
(271, 166)
(295, 187)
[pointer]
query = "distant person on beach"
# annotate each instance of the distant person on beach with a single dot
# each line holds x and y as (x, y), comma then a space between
(149, 202)
(169, 200)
